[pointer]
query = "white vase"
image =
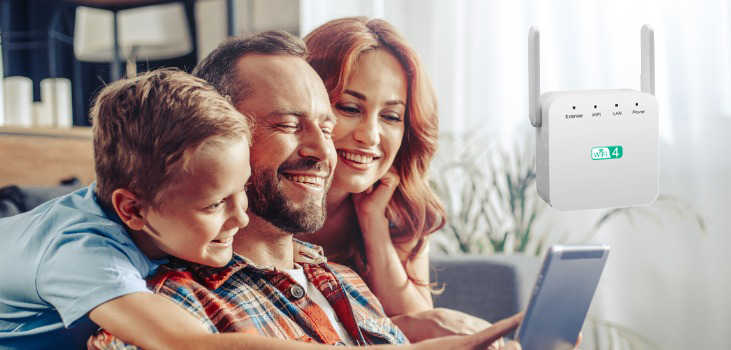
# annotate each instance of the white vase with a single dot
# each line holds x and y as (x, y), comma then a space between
(18, 101)
(2, 96)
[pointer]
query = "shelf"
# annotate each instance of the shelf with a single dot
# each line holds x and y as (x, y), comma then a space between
(44, 157)
(77, 132)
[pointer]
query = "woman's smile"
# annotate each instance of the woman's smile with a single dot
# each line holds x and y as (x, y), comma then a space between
(358, 159)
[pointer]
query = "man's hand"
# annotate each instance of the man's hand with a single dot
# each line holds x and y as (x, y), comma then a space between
(480, 341)
(438, 322)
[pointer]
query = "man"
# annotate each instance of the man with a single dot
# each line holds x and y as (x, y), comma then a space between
(277, 286)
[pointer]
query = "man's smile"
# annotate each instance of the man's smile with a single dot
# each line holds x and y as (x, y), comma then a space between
(307, 181)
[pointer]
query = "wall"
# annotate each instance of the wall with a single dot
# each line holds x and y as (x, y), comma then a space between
(252, 16)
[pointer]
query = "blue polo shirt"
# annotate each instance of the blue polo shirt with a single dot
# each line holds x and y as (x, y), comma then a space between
(58, 262)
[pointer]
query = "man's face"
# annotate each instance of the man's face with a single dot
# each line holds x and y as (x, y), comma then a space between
(292, 154)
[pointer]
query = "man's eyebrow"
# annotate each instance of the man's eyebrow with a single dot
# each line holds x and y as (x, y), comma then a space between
(363, 98)
(284, 111)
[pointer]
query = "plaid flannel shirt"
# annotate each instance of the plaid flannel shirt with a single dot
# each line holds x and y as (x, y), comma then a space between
(246, 298)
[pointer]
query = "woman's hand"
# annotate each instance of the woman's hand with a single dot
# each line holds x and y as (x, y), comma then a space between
(438, 322)
(387, 264)
(370, 205)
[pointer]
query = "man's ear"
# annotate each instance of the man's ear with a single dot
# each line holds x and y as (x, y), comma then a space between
(129, 208)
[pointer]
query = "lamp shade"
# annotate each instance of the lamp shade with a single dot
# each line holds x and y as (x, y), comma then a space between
(152, 32)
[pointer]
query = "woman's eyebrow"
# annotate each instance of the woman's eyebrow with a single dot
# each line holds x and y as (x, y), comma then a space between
(363, 98)
(356, 94)
(395, 102)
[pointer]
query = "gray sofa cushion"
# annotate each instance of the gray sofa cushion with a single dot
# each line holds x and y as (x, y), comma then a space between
(16, 200)
(489, 287)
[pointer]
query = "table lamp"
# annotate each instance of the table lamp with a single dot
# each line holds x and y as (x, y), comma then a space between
(150, 33)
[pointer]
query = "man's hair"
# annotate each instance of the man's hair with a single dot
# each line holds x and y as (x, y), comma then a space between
(146, 128)
(219, 67)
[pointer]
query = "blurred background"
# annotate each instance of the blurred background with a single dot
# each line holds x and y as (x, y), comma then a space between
(668, 279)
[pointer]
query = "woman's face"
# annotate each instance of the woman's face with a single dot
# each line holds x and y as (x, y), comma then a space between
(371, 116)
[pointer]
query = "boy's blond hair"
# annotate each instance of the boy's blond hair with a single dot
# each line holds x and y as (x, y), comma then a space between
(147, 127)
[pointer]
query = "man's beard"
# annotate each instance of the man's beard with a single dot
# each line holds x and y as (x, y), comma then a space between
(268, 200)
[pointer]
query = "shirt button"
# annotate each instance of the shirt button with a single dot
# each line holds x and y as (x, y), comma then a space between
(297, 291)
(340, 344)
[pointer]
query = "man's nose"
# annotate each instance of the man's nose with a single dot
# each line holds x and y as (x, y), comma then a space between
(315, 144)
(368, 131)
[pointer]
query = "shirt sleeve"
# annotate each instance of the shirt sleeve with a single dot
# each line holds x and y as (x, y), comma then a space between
(178, 288)
(84, 269)
(104, 340)
(191, 296)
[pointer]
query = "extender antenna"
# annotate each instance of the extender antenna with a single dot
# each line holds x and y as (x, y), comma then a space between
(647, 77)
(534, 75)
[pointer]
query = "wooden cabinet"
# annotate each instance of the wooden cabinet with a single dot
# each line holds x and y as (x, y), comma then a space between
(44, 157)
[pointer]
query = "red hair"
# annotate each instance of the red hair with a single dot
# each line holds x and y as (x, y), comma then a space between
(334, 49)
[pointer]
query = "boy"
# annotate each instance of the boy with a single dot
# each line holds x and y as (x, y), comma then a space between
(172, 159)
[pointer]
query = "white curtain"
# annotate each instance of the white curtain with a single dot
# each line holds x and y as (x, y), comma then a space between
(665, 279)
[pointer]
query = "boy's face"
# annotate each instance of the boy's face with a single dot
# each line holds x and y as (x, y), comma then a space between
(204, 207)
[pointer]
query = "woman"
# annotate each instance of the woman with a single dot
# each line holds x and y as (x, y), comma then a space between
(380, 207)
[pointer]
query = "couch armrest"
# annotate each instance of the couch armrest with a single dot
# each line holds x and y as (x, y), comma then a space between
(489, 287)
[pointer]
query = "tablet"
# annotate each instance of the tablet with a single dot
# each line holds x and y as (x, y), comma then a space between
(561, 297)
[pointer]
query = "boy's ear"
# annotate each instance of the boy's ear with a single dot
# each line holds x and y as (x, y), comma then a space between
(129, 208)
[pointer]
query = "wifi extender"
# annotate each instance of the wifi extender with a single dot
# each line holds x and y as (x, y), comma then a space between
(596, 148)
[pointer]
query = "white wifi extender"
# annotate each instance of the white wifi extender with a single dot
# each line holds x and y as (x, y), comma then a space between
(595, 148)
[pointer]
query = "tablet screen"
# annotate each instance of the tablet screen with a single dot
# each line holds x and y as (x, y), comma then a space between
(561, 296)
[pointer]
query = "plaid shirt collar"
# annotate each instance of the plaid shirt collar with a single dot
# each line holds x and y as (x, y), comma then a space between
(214, 277)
